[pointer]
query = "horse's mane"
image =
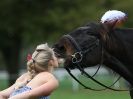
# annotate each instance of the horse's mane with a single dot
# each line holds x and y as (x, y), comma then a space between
(97, 27)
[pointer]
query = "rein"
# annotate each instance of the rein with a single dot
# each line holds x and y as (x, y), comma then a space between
(77, 62)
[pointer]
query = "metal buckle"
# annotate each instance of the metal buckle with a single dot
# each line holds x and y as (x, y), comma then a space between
(77, 57)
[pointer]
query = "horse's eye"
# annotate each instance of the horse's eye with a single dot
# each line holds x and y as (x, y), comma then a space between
(62, 48)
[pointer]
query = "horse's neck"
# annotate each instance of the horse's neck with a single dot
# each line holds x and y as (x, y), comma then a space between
(114, 44)
(120, 53)
(120, 44)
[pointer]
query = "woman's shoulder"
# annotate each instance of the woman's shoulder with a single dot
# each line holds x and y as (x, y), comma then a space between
(45, 75)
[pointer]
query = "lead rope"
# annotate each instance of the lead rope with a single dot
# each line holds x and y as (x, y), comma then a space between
(106, 87)
(86, 87)
(91, 77)
(87, 75)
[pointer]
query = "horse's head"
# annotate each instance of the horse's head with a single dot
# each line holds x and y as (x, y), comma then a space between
(100, 43)
(81, 46)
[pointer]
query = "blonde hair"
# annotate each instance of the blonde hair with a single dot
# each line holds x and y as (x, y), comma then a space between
(38, 63)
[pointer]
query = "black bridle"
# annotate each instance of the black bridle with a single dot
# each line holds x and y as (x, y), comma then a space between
(78, 60)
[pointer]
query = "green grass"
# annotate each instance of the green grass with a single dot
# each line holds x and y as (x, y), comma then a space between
(3, 84)
(65, 91)
(87, 94)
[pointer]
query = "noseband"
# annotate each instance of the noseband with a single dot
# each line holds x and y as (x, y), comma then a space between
(78, 60)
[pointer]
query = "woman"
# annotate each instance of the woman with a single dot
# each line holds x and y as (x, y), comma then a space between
(38, 82)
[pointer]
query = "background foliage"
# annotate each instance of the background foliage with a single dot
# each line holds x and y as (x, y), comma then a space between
(26, 23)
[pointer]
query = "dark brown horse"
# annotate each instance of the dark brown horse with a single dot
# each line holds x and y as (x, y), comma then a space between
(96, 43)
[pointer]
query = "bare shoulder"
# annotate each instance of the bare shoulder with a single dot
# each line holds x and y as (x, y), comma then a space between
(46, 75)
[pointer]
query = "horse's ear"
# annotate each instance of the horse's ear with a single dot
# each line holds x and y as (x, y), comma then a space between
(110, 25)
(113, 18)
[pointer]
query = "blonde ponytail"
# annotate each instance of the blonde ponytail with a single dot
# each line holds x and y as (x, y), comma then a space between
(38, 63)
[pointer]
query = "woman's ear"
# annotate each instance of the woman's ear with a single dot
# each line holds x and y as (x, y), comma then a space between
(51, 62)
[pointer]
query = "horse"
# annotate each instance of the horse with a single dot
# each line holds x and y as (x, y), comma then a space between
(96, 43)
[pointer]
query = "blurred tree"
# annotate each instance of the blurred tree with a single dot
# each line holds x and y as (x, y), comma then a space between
(27, 22)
